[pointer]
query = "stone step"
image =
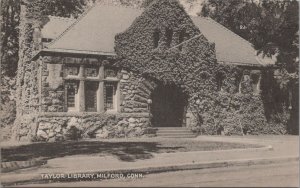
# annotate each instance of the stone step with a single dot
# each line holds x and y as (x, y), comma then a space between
(170, 134)
(176, 136)
(171, 128)
(174, 132)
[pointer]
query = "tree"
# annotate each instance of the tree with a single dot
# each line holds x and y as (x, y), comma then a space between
(18, 18)
(273, 28)
(9, 36)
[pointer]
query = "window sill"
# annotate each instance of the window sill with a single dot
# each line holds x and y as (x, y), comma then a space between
(70, 77)
(72, 110)
(112, 111)
(111, 79)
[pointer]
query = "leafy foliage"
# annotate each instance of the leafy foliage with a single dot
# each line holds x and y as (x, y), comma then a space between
(10, 13)
(16, 43)
(193, 67)
(273, 28)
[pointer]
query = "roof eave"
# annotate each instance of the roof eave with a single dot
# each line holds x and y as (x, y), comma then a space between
(98, 53)
(247, 64)
(78, 51)
(68, 51)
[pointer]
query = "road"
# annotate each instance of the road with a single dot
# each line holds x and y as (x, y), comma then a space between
(272, 175)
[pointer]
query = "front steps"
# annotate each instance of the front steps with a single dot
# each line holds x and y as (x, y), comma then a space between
(174, 132)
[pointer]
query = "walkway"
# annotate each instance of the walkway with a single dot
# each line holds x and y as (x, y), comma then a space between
(277, 147)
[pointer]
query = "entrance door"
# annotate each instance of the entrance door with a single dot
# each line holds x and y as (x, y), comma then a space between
(168, 104)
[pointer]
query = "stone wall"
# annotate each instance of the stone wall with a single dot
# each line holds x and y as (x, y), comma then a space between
(135, 92)
(64, 126)
(237, 108)
(53, 126)
(52, 88)
(28, 102)
(234, 108)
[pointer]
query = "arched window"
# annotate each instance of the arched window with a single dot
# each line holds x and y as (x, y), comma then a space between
(254, 79)
(237, 83)
(156, 38)
(169, 35)
(181, 38)
(220, 77)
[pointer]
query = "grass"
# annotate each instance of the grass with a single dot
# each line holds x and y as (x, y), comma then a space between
(124, 149)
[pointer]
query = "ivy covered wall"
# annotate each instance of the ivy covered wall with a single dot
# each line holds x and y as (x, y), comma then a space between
(55, 123)
(153, 47)
(162, 46)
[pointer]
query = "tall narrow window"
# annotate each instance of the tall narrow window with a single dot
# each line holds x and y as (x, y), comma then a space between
(110, 92)
(71, 92)
(220, 77)
(91, 96)
(237, 83)
(71, 97)
(254, 78)
(156, 38)
(181, 38)
(169, 35)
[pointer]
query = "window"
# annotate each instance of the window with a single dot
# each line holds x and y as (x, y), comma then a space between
(110, 73)
(71, 70)
(91, 72)
(91, 89)
(71, 98)
(156, 38)
(46, 40)
(220, 80)
(71, 89)
(110, 92)
(254, 79)
(181, 38)
(169, 35)
(237, 83)
(85, 92)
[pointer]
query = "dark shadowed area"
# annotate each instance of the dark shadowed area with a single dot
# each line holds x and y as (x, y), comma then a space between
(125, 150)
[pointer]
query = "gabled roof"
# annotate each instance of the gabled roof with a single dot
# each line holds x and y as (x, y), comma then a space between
(56, 26)
(229, 46)
(95, 30)
(94, 33)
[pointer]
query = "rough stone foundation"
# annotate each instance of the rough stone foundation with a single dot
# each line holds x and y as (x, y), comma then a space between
(53, 127)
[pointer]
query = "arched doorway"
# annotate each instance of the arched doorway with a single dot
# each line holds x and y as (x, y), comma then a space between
(168, 106)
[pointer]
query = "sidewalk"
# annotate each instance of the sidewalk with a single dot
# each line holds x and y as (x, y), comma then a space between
(277, 149)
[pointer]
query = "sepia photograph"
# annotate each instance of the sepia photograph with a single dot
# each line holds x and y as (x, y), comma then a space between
(149, 93)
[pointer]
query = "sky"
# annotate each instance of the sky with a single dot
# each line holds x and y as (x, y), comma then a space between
(192, 7)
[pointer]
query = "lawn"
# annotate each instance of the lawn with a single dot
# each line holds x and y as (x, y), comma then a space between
(124, 149)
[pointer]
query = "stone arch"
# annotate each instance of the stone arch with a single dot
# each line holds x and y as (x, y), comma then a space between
(169, 105)
(178, 66)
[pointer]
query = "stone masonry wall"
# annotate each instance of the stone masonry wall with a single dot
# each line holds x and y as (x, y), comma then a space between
(28, 103)
(52, 91)
(64, 126)
(135, 92)
(54, 123)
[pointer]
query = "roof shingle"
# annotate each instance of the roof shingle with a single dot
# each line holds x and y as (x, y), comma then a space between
(96, 30)
(56, 26)
(94, 33)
